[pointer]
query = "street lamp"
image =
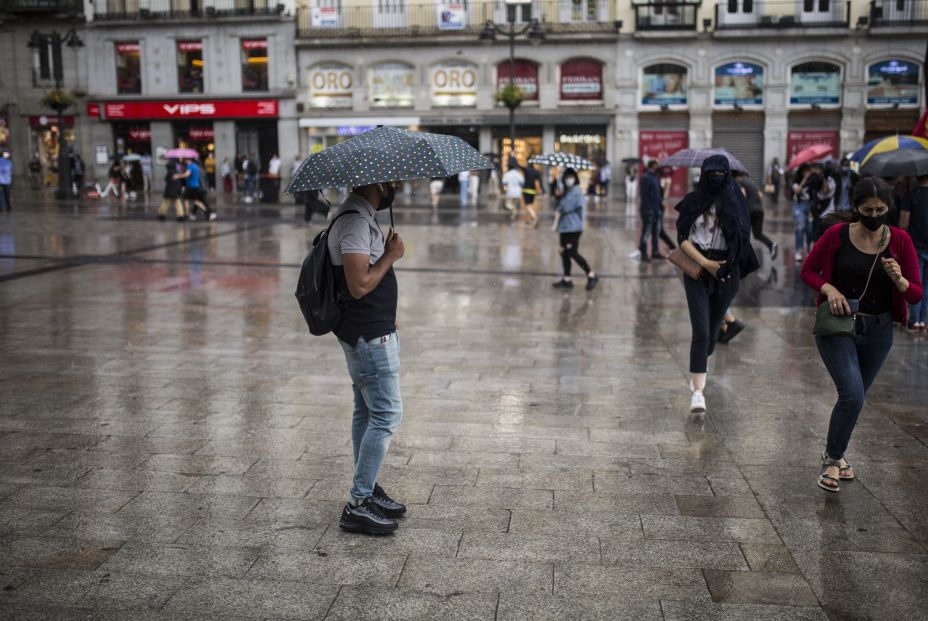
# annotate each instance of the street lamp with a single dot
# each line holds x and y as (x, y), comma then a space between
(41, 42)
(535, 35)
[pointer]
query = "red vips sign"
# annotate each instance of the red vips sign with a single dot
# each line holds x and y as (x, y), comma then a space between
(797, 140)
(219, 109)
(658, 145)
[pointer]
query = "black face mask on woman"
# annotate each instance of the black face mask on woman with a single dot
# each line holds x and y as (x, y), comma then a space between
(387, 201)
(873, 222)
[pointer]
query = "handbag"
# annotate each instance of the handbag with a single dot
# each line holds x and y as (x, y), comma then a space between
(768, 188)
(828, 324)
(685, 263)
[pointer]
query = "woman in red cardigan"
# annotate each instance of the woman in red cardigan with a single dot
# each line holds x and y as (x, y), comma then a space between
(845, 269)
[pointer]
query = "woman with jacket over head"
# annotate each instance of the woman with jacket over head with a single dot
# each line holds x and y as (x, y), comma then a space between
(862, 262)
(714, 230)
(570, 227)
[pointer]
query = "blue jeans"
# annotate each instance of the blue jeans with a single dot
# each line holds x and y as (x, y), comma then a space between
(464, 194)
(801, 224)
(374, 367)
(853, 363)
(918, 313)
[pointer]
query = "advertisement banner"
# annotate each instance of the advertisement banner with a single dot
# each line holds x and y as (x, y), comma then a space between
(893, 82)
(129, 47)
(325, 17)
(454, 84)
(582, 80)
(391, 85)
(739, 83)
(189, 46)
(664, 85)
(819, 84)
(797, 140)
(452, 16)
(219, 109)
(330, 86)
(525, 76)
(659, 145)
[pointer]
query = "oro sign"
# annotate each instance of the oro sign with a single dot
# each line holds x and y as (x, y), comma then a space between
(454, 84)
(331, 85)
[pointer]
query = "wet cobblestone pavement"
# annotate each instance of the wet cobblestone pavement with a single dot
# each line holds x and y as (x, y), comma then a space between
(174, 445)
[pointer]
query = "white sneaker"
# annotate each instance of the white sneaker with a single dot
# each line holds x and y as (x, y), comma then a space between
(697, 403)
(212, 216)
(634, 255)
(798, 256)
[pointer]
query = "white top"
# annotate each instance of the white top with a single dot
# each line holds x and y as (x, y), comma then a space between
(273, 167)
(706, 234)
(463, 176)
(224, 169)
(514, 181)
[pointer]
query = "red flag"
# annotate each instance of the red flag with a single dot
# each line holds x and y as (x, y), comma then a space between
(921, 130)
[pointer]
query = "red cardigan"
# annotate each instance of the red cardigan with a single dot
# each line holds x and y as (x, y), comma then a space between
(817, 268)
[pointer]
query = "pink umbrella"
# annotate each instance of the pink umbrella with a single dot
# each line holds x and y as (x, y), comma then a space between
(810, 154)
(188, 154)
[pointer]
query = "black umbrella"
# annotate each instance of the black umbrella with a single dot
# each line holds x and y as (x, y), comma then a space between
(904, 163)
(562, 160)
(383, 155)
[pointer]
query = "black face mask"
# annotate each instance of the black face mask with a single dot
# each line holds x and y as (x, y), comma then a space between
(716, 181)
(387, 201)
(873, 222)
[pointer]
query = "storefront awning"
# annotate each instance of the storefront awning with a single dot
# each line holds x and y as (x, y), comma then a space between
(355, 121)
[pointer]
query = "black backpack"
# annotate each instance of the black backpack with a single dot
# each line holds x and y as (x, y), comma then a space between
(316, 289)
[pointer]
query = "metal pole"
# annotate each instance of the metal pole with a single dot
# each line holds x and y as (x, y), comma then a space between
(64, 162)
(512, 109)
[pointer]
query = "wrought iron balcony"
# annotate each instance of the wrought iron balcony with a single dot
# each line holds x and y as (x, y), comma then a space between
(183, 9)
(666, 15)
(392, 18)
(898, 13)
(740, 14)
(44, 7)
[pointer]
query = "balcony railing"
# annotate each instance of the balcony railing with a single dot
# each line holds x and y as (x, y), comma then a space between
(731, 14)
(899, 13)
(173, 9)
(666, 15)
(44, 7)
(396, 18)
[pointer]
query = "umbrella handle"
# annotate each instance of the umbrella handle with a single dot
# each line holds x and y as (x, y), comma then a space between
(391, 217)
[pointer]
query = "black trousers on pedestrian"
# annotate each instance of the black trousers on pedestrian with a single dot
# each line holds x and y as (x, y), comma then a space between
(663, 234)
(757, 228)
(570, 245)
(707, 299)
(650, 227)
(776, 191)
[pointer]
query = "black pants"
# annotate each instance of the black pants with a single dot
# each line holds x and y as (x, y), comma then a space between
(650, 227)
(707, 299)
(757, 227)
(570, 244)
(663, 234)
(776, 190)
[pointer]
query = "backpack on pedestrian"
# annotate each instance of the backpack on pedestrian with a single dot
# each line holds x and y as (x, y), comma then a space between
(316, 292)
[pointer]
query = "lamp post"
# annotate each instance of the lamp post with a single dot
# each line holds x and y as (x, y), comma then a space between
(42, 41)
(512, 31)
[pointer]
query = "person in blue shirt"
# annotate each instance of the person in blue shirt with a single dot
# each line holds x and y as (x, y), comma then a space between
(570, 209)
(193, 192)
(6, 180)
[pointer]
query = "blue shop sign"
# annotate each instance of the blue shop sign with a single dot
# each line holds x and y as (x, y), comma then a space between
(893, 82)
(352, 130)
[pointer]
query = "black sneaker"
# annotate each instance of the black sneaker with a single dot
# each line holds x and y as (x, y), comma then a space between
(387, 505)
(734, 329)
(366, 518)
(591, 283)
(563, 284)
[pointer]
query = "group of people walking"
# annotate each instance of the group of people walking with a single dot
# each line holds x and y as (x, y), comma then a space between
(185, 190)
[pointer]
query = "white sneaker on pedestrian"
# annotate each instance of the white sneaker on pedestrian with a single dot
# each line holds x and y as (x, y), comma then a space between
(697, 403)
(634, 255)
(212, 216)
(798, 257)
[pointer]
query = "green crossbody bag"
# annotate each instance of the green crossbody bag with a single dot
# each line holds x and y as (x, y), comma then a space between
(827, 324)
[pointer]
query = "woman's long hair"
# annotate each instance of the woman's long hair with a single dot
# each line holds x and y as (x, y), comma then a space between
(866, 188)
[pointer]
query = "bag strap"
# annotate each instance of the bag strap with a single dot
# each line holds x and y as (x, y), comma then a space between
(875, 259)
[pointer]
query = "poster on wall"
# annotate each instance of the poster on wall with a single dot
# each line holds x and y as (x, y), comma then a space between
(452, 16)
(392, 85)
(739, 83)
(330, 86)
(797, 140)
(325, 17)
(893, 82)
(525, 76)
(659, 145)
(664, 85)
(454, 84)
(582, 80)
(815, 83)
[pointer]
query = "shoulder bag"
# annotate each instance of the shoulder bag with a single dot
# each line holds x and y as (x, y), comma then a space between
(683, 262)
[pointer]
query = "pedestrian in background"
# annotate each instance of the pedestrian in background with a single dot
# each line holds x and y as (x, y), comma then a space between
(512, 186)
(605, 176)
(146, 172)
(209, 167)
(35, 171)
(649, 211)
(194, 192)
(914, 219)
(435, 188)
(713, 230)
(173, 191)
(225, 171)
(754, 199)
(570, 208)
(802, 210)
(531, 188)
(6, 180)
(775, 179)
(463, 189)
(114, 175)
(865, 268)
(631, 183)
(77, 173)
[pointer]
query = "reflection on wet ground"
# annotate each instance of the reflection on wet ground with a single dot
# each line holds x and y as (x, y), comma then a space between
(174, 444)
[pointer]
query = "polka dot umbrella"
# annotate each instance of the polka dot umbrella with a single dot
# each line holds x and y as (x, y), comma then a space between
(562, 160)
(386, 154)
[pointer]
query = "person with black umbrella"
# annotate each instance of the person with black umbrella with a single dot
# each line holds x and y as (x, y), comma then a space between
(913, 217)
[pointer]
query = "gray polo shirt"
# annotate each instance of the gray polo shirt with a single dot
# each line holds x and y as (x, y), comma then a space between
(356, 233)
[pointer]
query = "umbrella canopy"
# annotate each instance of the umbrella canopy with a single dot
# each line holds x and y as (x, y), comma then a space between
(188, 154)
(810, 154)
(906, 162)
(132, 157)
(631, 160)
(693, 158)
(386, 154)
(884, 145)
(562, 160)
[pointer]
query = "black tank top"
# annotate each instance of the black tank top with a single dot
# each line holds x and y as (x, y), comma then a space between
(850, 277)
(370, 317)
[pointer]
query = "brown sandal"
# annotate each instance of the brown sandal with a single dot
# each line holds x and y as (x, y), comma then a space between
(825, 480)
(846, 472)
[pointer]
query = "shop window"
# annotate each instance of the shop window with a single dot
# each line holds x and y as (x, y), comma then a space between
(128, 68)
(43, 66)
(190, 66)
(254, 65)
